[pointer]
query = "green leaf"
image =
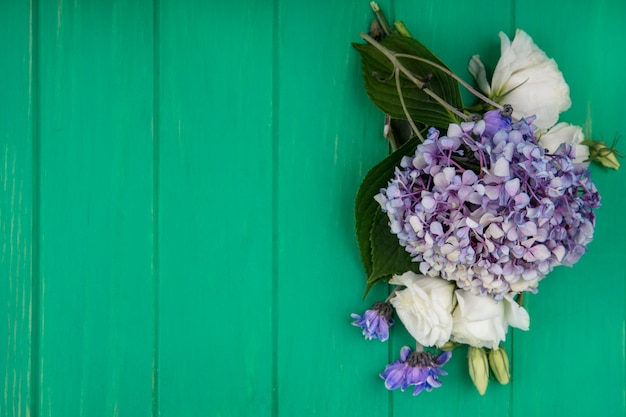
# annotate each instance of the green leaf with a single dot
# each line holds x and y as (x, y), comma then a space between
(421, 107)
(370, 221)
(388, 257)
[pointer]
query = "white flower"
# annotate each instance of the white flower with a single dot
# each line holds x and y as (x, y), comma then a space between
(526, 79)
(425, 307)
(480, 321)
(531, 82)
(565, 133)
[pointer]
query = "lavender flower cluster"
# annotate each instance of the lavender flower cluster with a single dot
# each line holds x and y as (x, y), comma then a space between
(415, 368)
(376, 321)
(487, 207)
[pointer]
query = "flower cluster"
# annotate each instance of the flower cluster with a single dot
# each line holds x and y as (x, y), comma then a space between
(499, 230)
(485, 205)
(434, 312)
(375, 322)
(421, 369)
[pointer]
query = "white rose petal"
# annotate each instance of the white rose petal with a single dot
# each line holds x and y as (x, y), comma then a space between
(481, 321)
(424, 307)
(528, 80)
(477, 69)
(565, 133)
(516, 315)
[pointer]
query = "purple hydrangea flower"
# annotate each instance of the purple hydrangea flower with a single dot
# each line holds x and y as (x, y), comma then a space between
(487, 207)
(376, 321)
(494, 121)
(421, 369)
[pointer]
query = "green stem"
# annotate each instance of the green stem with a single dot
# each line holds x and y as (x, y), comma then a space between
(393, 293)
(406, 111)
(391, 134)
(382, 21)
(469, 88)
(398, 66)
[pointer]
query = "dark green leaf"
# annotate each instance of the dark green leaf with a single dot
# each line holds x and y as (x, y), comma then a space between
(420, 106)
(388, 257)
(367, 209)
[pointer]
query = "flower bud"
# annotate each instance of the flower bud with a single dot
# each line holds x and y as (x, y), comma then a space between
(602, 154)
(499, 364)
(448, 346)
(478, 368)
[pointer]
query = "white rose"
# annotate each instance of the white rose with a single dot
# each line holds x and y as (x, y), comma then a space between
(425, 307)
(481, 321)
(526, 79)
(565, 133)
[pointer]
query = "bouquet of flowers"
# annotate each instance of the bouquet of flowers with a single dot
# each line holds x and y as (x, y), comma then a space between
(474, 206)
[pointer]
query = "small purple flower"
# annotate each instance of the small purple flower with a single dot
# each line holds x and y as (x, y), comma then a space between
(421, 369)
(495, 121)
(376, 321)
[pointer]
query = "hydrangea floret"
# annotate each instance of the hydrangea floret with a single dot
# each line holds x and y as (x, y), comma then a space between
(501, 229)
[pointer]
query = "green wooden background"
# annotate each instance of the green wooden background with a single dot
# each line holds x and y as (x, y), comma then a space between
(177, 182)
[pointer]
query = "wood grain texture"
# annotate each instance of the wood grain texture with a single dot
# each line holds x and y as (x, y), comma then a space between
(176, 211)
(578, 319)
(329, 136)
(16, 209)
(96, 209)
(216, 219)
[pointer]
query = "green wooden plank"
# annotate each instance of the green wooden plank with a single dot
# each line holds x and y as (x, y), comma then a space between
(572, 362)
(215, 208)
(305, 133)
(329, 136)
(96, 208)
(16, 208)
(455, 31)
